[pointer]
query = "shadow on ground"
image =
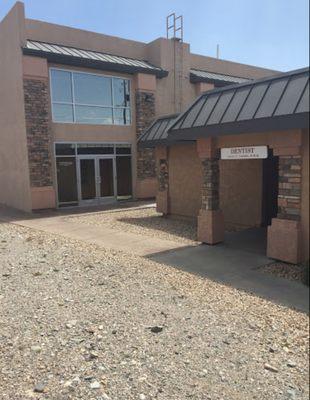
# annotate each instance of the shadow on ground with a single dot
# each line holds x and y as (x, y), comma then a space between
(236, 263)
(8, 214)
(184, 229)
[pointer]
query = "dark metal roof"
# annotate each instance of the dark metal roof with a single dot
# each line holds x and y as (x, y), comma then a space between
(156, 133)
(88, 58)
(212, 77)
(275, 103)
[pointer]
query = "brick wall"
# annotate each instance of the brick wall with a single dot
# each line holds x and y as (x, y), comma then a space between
(289, 197)
(145, 114)
(38, 132)
(163, 175)
(210, 184)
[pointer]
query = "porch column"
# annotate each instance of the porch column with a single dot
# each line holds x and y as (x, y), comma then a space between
(162, 197)
(210, 218)
(284, 234)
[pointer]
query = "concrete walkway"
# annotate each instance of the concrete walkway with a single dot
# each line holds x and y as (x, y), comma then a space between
(234, 263)
(58, 223)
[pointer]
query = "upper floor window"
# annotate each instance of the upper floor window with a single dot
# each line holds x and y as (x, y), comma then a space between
(89, 99)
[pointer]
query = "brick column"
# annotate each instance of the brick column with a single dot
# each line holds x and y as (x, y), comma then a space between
(210, 218)
(145, 115)
(284, 234)
(38, 131)
(162, 196)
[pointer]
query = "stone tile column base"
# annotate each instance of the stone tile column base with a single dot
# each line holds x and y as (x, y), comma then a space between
(162, 202)
(211, 226)
(283, 240)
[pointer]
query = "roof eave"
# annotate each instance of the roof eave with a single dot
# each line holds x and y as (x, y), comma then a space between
(219, 82)
(279, 123)
(95, 64)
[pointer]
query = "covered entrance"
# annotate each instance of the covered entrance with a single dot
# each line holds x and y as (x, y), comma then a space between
(270, 114)
(248, 187)
(93, 173)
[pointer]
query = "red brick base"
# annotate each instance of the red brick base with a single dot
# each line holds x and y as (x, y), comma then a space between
(283, 240)
(211, 226)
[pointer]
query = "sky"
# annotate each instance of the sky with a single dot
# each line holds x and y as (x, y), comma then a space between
(268, 33)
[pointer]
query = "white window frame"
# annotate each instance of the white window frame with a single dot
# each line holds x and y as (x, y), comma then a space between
(74, 104)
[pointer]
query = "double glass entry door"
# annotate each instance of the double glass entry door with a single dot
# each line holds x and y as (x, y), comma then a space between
(96, 179)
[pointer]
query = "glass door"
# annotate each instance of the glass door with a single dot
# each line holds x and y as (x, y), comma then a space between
(88, 179)
(96, 179)
(66, 181)
(106, 178)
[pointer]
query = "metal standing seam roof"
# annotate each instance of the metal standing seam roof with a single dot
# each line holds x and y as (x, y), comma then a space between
(157, 132)
(274, 103)
(206, 76)
(95, 59)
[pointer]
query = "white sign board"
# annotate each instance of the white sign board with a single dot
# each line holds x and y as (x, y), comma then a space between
(244, 153)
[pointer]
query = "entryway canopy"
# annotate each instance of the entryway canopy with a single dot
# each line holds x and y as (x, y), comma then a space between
(279, 102)
(157, 132)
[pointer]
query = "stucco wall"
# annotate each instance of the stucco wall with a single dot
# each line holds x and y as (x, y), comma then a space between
(185, 176)
(67, 36)
(241, 192)
(213, 64)
(172, 93)
(305, 196)
(14, 172)
(175, 94)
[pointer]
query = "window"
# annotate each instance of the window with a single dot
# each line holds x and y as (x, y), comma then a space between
(90, 99)
(95, 149)
(65, 149)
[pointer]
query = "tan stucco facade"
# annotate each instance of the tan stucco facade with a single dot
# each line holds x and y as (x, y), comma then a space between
(172, 94)
(39, 68)
(14, 176)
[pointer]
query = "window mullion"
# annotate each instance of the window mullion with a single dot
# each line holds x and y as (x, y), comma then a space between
(112, 97)
(73, 97)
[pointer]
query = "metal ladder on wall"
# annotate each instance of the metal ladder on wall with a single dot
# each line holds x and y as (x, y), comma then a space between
(174, 27)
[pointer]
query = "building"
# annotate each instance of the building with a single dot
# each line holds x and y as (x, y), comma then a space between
(73, 102)
(238, 157)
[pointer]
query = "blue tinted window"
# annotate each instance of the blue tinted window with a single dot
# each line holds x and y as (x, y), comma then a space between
(90, 98)
(92, 89)
(61, 86)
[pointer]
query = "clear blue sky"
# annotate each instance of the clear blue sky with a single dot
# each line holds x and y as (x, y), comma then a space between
(267, 33)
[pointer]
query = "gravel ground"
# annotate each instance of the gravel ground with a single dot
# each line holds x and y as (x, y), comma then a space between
(79, 322)
(143, 221)
(289, 271)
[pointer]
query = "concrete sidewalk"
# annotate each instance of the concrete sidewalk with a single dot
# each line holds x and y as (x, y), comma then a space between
(235, 263)
(59, 224)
